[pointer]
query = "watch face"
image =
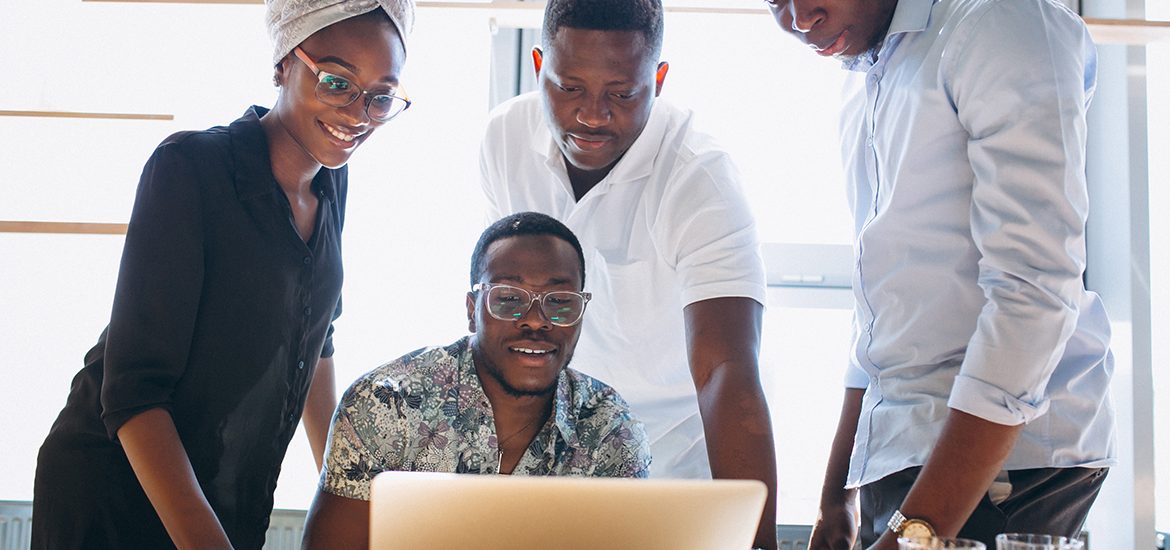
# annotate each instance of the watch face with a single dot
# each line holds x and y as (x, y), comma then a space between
(915, 528)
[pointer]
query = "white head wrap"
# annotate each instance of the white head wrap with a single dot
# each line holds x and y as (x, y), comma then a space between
(290, 22)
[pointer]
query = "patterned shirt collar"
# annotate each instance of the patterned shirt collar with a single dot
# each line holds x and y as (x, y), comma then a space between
(566, 403)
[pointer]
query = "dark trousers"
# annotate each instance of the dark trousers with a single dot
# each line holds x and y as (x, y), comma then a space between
(1050, 501)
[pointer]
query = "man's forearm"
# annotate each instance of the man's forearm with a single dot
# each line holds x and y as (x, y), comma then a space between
(969, 453)
(740, 444)
(837, 518)
(837, 470)
(723, 343)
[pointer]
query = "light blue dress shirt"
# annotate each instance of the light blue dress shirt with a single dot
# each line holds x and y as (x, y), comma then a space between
(964, 145)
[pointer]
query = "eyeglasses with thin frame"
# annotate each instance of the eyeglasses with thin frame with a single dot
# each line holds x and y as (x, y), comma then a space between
(563, 308)
(339, 91)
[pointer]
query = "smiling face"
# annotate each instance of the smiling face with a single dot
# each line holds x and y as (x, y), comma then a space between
(524, 357)
(837, 28)
(597, 88)
(365, 50)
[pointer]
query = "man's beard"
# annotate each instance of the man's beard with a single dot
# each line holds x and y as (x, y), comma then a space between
(494, 371)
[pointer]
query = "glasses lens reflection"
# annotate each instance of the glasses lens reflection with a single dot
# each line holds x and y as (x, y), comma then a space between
(337, 91)
(508, 303)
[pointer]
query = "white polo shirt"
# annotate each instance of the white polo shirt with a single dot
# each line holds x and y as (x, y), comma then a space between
(669, 226)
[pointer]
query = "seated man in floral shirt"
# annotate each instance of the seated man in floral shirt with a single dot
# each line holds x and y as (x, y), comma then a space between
(500, 401)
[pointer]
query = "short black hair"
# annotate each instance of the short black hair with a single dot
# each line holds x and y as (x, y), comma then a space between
(523, 223)
(606, 15)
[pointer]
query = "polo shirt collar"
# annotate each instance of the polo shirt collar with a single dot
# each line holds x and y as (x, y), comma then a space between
(638, 162)
(635, 164)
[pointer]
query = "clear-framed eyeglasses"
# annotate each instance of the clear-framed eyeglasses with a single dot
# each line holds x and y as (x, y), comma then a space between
(563, 308)
(339, 91)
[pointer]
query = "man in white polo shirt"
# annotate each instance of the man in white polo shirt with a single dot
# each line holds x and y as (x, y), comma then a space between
(671, 247)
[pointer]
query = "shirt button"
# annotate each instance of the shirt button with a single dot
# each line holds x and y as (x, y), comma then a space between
(308, 310)
(869, 141)
(308, 260)
(300, 364)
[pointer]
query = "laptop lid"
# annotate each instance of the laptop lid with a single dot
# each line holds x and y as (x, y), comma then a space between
(422, 511)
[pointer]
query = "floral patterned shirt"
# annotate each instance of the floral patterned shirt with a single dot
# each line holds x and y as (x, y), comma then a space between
(427, 411)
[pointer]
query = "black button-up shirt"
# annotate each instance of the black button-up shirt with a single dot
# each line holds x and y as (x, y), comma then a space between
(220, 314)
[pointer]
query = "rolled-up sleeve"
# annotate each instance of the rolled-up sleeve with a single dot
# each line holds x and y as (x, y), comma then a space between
(158, 291)
(855, 378)
(1021, 79)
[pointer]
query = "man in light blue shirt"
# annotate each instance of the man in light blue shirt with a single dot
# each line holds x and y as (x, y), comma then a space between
(977, 396)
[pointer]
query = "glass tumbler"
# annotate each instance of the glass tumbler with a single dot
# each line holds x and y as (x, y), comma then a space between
(1028, 541)
(939, 543)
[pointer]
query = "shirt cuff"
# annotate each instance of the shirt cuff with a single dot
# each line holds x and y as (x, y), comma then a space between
(327, 346)
(991, 403)
(725, 289)
(338, 484)
(855, 378)
(116, 419)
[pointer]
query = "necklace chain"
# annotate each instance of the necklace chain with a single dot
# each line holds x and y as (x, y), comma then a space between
(501, 442)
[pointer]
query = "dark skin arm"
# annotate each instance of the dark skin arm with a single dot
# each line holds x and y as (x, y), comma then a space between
(723, 342)
(337, 522)
(969, 454)
(160, 462)
(319, 406)
(836, 526)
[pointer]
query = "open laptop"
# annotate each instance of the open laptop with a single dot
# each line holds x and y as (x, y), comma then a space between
(424, 511)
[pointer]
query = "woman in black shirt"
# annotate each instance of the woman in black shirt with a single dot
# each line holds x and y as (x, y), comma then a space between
(221, 330)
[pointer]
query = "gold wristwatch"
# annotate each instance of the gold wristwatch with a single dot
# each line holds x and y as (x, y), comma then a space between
(909, 528)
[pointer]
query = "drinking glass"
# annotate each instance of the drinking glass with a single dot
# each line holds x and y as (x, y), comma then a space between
(1028, 541)
(939, 543)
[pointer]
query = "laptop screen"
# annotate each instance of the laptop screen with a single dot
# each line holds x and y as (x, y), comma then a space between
(419, 511)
